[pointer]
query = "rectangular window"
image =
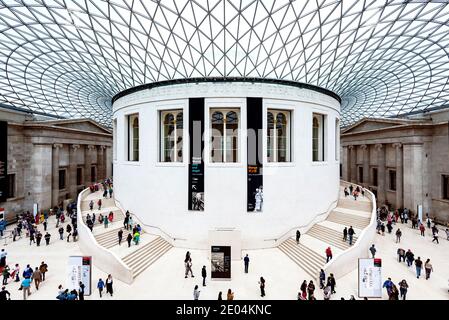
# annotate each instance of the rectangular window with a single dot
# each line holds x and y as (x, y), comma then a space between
(278, 136)
(79, 176)
(375, 183)
(360, 174)
(172, 134)
(318, 137)
(11, 181)
(224, 132)
(133, 137)
(445, 186)
(337, 139)
(62, 179)
(392, 176)
(93, 173)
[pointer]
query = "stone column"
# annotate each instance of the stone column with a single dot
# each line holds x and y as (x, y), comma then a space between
(353, 157)
(41, 175)
(366, 155)
(101, 163)
(87, 164)
(73, 164)
(399, 175)
(381, 174)
(413, 179)
(55, 175)
(345, 162)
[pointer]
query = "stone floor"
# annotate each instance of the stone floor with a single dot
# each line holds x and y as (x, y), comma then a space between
(165, 278)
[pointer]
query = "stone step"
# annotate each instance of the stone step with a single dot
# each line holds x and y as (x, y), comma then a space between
(142, 258)
(109, 239)
(308, 260)
(348, 220)
(351, 204)
(329, 236)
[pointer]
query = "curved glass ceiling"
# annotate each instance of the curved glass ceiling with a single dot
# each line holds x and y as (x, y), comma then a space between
(70, 57)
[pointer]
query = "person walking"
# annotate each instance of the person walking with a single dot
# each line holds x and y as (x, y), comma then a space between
(106, 222)
(43, 268)
(246, 262)
(298, 236)
(351, 234)
(188, 266)
(16, 272)
(388, 285)
(345, 234)
(6, 275)
(47, 238)
(262, 287)
(109, 283)
(398, 235)
(403, 288)
(100, 286)
(91, 205)
(328, 254)
(401, 254)
(435, 235)
(394, 293)
(220, 296)
(230, 295)
(5, 295)
(311, 289)
(69, 232)
(373, 251)
(428, 267)
(422, 229)
(45, 225)
(37, 277)
(204, 275)
(322, 278)
(26, 288)
(418, 265)
(303, 289)
(3, 255)
(409, 257)
(61, 233)
(332, 283)
(120, 237)
(196, 293)
(129, 239)
(32, 238)
(81, 291)
(99, 204)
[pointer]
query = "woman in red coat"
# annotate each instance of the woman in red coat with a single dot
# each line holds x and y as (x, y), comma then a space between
(111, 216)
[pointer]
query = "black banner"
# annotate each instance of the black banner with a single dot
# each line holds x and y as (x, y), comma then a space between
(196, 164)
(255, 154)
(221, 262)
(3, 161)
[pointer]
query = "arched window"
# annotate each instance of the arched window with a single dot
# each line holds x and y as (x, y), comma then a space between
(318, 141)
(133, 132)
(172, 128)
(278, 136)
(224, 136)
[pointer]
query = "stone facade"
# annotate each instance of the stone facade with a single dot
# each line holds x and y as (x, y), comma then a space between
(410, 156)
(39, 150)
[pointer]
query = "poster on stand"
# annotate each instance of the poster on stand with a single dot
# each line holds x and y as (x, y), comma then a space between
(220, 263)
(80, 270)
(370, 278)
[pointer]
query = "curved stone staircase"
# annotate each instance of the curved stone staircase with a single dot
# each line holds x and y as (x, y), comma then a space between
(309, 254)
(149, 250)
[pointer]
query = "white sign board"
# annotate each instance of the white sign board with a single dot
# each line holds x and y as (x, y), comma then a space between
(370, 278)
(80, 270)
(35, 209)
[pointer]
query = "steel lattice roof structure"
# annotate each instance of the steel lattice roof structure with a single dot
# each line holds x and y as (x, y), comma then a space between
(70, 57)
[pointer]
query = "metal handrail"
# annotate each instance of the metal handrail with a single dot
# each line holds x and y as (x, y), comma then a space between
(150, 226)
(303, 226)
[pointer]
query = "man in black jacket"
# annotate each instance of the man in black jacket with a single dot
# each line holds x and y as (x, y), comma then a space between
(351, 234)
(204, 275)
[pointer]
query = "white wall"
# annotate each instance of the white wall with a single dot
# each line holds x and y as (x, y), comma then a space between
(294, 193)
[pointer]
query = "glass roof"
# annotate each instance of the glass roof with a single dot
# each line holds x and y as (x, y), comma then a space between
(70, 57)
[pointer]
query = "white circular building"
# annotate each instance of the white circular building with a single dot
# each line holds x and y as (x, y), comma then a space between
(257, 158)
